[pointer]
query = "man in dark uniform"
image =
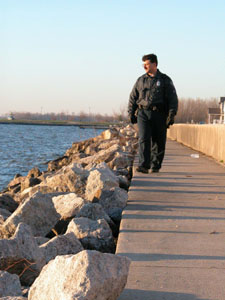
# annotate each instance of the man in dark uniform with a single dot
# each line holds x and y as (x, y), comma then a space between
(153, 105)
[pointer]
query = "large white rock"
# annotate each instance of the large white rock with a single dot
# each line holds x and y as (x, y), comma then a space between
(109, 134)
(80, 147)
(100, 178)
(105, 155)
(68, 205)
(61, 245)
(128, 131)
(94, 235)
(9, 284)
(105, 144)
(38, 212)
(88, 275)
(131, 147)
(21, 255)
(71, 178)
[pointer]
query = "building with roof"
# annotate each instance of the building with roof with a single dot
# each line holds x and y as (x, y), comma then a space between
(216, 114)
(222, 109)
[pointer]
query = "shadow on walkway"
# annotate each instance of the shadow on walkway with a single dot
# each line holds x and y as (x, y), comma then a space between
(156, 295)
(161, 257)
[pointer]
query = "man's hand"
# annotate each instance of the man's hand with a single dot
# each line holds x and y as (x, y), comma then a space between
(133, 119)
(170, 121)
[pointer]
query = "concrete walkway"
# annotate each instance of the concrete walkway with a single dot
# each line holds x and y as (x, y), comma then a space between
(173, 230)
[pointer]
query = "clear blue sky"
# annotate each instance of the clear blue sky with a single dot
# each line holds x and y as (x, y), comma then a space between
(85, 55)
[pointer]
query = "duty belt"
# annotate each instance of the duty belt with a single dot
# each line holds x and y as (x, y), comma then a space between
(151, 107)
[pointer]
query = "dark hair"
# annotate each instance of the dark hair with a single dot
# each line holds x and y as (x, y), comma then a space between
(151, 57)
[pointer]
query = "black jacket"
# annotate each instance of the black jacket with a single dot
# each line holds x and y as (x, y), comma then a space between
(154, 91)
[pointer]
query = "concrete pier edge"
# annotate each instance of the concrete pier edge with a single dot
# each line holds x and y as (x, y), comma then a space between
(173, 229)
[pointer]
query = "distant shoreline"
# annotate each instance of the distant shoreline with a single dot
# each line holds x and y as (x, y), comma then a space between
(57, 123)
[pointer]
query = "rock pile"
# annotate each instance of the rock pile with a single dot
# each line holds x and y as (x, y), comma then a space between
(58, 228)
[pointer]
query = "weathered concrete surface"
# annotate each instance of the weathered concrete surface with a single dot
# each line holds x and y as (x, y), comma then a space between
(173, 230)
(209, 139)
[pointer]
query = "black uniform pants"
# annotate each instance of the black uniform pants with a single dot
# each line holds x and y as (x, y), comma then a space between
(152, 138)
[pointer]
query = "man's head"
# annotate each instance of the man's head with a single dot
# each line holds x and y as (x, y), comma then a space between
(150, 63)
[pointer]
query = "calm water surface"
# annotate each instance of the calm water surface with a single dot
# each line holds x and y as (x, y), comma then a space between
(23, 147)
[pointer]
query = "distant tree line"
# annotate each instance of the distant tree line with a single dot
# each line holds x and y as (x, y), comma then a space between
(62, 116)
(82, 116)
(189, 111)
(195, 111)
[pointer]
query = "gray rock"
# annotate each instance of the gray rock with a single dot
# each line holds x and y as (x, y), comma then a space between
(38, 212)
(106, 155)
(25, 194)
(9, 284)
(16, 181)
(113, 198)
(58, 163)
(61, 245)
(76, 157)
(80, 147)
(116, 214)
(122, 172)
(17, 175)
(71, 178)
(79, 171)
(95, 211)
(21, 255)
(123, 182)
(100, 178)
(121, 160)
(29, 182)
(131, 146)
(87, 275)
(68, 205)
(105, 144)
(41, 240)
(94, 235)
(4, 213)
(7, 202)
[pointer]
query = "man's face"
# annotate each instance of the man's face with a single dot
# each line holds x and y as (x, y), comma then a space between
(149, 67)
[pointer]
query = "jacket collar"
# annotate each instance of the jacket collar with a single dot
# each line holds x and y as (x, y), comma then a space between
(157, 75)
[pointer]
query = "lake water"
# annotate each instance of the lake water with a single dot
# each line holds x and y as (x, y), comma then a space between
(23, 147)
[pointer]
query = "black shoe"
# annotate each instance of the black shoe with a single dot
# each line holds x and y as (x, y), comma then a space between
(142, 170)
(154, 170)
